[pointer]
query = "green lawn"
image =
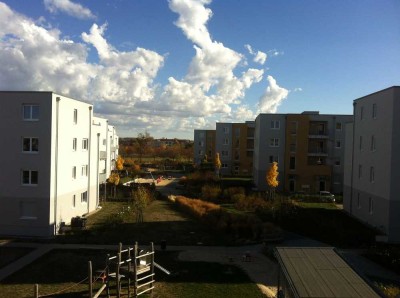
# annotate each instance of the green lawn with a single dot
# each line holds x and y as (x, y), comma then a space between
(62, 270)
(317, 205)
(162, 221)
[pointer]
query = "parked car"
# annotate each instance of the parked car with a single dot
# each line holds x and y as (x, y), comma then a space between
(326, 196)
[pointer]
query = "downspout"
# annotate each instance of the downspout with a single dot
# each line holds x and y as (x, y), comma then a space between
(56, 165)
(352, 157)
(97, 170)
(107, 157)
(89, 157)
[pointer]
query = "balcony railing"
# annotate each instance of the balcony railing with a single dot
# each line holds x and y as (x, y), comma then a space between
(318, 133)
(317, 152)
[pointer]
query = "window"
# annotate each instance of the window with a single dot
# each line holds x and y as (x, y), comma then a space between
(84, 170)
(226, 129)
(338, 144)
(371, 174)
(226, 141)
(292, 163)
(224, 165)
(74, 144)
(371, 205)
(274, 142)
(361, 143)
(104, 142)
(73, 172)
(224, 153)
(359, 171)
(85, 144)
(30, 145)
(273, 158)
(338, 126)
(275, 124)
(374, 110)
(30, 112)
(358, 201)
(75, 116)
(29, 177)
(27, 210)
(373, 148)
(73, 201)
(84, 197)
(337, 162)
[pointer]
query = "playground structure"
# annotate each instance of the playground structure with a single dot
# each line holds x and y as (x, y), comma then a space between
(134, 265)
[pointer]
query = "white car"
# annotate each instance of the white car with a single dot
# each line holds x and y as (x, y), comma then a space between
(326, 196)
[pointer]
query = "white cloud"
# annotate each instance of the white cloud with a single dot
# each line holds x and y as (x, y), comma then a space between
(70, 8)
(298, 89)
(121, 84)
(273, 97)
(259, 57)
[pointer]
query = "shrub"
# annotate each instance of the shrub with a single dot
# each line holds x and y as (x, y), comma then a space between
(211, 192)
(231, 192)
(251, 203)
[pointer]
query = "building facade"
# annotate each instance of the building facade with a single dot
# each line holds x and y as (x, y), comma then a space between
(61, 155)
(204, 145)
(235, 144)
(371, 190)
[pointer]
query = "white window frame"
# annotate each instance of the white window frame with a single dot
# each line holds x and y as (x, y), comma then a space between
(224, 153)
(274, 142)
(274, 158)
(31, 107)
(30, 172)
(275, 124)
(85, 144)
(374, 111)
(30, 145)
(74, 144)
(226, 129)
(84, 170)
(373, 143)
(372, 174)
(75, 120)
(224, 165)
(84, 197)
(226, 141)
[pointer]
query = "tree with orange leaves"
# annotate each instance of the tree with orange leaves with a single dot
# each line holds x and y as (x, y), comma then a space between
(217, 163)
(272, 179)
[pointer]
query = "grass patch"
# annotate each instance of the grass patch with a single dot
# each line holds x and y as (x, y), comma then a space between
(317, 205)
(162, 221)
(62, 269)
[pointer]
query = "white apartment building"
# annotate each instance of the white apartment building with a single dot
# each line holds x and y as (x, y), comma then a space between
(372, 162)
(54, 156)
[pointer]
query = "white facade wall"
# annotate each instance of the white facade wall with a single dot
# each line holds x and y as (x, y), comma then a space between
(59, 194)
(372, 188)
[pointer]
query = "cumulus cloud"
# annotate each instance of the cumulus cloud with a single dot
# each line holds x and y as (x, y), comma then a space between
(212, 67)
(121, 84)
(259, 57)
(273, 97)
(298, 89)
(70, 8)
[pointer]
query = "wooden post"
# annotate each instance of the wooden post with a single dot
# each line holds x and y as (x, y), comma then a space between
(108, 275)
(129, 272)
(90, 279)
(152, 265)
(135, 251)
(36, 291)
(117, 276)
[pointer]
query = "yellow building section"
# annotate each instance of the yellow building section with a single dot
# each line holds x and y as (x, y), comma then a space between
(242, 149)
(306, 154)
(210, 145)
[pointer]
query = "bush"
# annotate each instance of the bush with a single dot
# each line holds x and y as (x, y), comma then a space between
(232, 194)
(210, 192)
(251, 203)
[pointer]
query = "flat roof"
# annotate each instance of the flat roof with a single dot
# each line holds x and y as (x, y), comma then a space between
(321, 272)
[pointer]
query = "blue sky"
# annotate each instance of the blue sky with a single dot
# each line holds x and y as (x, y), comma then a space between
(169, 67)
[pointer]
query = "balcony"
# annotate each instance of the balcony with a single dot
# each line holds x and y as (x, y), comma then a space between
(318, 134)
(317, 152)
